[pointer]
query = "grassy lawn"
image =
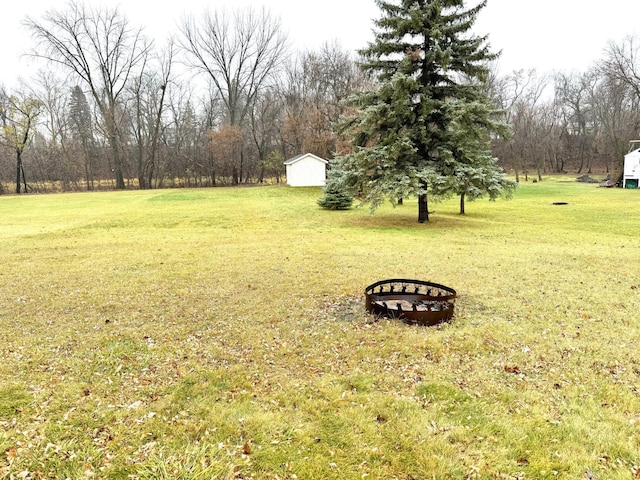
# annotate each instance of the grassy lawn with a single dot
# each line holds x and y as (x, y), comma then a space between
(221, 333)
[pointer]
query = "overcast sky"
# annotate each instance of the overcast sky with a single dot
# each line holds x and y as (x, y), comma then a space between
(548, 35)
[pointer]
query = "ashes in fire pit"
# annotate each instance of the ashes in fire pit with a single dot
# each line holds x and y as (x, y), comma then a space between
(414, 301)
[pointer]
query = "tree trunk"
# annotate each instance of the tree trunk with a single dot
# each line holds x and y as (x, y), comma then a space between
(18, 170)
(114, 144)
(142, 177)
(24, 178)
(20, 176)
(87, 176)
(462, 203)
(150, 174)
(423, 206)
(117, 161)
(151, 164)
(118, 172)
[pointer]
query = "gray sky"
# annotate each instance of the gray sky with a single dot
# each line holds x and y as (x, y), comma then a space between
(550, 35)
(547, 35)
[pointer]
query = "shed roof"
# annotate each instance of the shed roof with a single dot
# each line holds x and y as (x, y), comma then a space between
(297, 158)
(633, 154)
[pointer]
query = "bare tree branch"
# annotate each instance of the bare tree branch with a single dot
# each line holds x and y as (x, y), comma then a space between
(99, 47)
(238, 53)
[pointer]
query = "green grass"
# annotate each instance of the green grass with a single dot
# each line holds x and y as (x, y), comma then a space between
(221, 333)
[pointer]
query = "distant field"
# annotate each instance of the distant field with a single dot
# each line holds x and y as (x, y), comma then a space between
(221, 333)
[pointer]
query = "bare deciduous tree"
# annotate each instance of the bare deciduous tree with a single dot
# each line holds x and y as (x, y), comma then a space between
(18, 114)
(576, 112)
(149, 92)
(225, 144)
(237, 52)
(317, 86)
(520, 95)
(617, 113)
(621, 70)
(266, 126)
(622, 62)
(55, 128)
(102, 50)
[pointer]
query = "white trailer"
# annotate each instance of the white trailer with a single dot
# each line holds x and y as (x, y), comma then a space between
(631, 175)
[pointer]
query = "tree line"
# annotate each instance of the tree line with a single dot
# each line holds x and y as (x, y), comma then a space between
(571, 122)
(226, 100)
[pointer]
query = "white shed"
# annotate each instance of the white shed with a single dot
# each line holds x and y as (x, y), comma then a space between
(631, 177)
(306, 170)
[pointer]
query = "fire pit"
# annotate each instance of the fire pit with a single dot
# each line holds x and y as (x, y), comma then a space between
(413, 301)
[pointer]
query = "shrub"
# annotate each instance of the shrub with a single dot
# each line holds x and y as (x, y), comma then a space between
(336, 196)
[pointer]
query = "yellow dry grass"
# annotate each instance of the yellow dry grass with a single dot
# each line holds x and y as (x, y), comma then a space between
(221, 334)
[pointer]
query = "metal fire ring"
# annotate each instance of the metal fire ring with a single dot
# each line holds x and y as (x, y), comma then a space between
(413, 301)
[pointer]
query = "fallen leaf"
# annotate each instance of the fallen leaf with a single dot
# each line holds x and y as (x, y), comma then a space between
(12, 452)
(381, 418)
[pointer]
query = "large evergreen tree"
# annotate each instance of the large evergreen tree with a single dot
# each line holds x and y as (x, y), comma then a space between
(428, 123)
(81, 126)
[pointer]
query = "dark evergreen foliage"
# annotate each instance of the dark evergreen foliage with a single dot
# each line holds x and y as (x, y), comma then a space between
(80, 114)
(336, 194)
(429, 122)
